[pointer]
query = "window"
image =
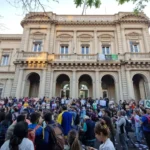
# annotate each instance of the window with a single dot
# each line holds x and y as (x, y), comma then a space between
(64, 50)
(134, 47)
(105, 50)
(4, 61)
(85, 50)
(37, 46)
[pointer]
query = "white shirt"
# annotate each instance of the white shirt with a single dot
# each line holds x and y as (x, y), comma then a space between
(26, 144)
(108, 145)
(62, 101)
(82, 102)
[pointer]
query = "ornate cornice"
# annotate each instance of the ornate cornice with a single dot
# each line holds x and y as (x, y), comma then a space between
(44, 18)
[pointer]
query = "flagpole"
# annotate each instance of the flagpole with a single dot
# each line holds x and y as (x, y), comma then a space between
(84, 7)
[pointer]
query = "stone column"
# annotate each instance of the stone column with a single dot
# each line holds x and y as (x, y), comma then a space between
(117, 91)
(120, 86)
(46, 48)
(23, 88)
(8, 88)
(95, 41)
(145, 41)
(19, 84)
(51, 85)
(42, 83)
(101, 89)
(130, 85)
(75, 42)
(97, 84)
(73, 83)
(26, 40)
(94, 89)
(124, 40)
(77, 89)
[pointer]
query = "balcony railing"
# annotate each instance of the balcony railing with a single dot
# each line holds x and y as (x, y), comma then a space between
(32, 55)
(137, 56)
(75, 57)
(80, 57)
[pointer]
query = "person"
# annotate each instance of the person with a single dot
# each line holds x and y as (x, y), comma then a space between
(65, 120)
(102, 134)
(4, 125)
(88, 128)
(73, 142)
(35, 117)
(121, 123)
(48, 139)
(108, 121)
(19, 140)
(146, 127)
(10, 130)
(137, 125)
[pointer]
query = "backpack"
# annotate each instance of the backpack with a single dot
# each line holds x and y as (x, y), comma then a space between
(31, 133)
(147, 124)
(77, 119)
(60, 140)
(128, 126)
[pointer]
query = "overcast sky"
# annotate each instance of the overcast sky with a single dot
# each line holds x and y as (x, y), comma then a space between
(11, 16)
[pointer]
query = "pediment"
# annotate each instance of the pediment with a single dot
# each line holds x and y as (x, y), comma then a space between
(38, 33)
(85, 36)
(64, 36)
(36, 16)
(134, 17)
(133, 34)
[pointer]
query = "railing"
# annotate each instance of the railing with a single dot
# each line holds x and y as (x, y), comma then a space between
(75, 57)
(79, 57)
(137, 56)
(32, 55)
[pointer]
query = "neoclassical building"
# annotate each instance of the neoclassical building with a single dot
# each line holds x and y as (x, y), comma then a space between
(77, 56)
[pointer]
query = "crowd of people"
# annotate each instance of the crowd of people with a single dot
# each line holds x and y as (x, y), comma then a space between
(72, 124)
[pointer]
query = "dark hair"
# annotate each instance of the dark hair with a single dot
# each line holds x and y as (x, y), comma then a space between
(35, 117)
(108, 112)
(73, 140)
(21, 118)
(64, 107)
(48, 117)
(101, 127)
(2, 116)
(20, 132)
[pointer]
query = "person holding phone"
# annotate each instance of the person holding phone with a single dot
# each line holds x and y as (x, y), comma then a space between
(102, 134)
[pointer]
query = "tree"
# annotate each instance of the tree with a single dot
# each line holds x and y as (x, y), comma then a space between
(139, 4)
(34, 5)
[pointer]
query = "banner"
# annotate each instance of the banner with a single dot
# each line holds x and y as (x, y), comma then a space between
(147, 103)
(107, 57)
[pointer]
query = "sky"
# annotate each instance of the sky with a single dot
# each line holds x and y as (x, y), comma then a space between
(11, 16)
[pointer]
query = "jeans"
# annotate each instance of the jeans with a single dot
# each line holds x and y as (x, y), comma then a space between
(123, 142)
(147, 137)
(138, 133)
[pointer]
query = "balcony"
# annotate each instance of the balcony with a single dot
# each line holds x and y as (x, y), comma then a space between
(136, 56)
(44, 56)
(75, 57)
(32, 56)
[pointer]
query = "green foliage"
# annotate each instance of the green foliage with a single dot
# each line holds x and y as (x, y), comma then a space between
(139, 4)
(88, 3)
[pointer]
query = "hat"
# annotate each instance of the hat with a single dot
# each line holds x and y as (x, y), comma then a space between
(86, 117)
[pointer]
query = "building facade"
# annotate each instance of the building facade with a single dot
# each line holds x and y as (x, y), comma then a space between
(77, 56)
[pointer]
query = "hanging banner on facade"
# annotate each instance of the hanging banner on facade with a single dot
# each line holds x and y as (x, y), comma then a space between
(107, 57)
(147, 103)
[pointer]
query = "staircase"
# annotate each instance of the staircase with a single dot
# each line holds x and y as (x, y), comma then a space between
(47, 85)
(124, 83)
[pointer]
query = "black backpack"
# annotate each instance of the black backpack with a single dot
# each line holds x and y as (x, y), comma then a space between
(77, 119)
(128, 126)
